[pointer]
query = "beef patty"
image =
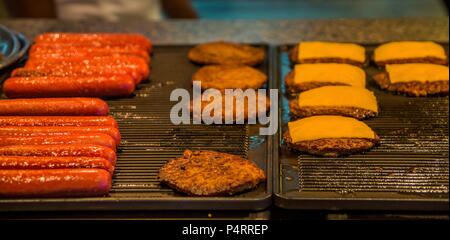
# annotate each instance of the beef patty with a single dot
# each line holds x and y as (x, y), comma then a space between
(415, 88)
(291, 87)
(223, 77)
(210, 173)
(332, 147)
(226, 53)
(354, 112)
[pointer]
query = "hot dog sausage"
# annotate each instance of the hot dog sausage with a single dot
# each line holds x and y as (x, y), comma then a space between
(20, 162)
(130, 62)
(36, 87)
(54, 183)
(95, 38)
(83, 55)
(63, 150)
(133, 66)
(83, 138)
(54, 107)
(58, 131)
(85, 70)
(93, 60)
(80, 46)
(45, 51)
(43, 121)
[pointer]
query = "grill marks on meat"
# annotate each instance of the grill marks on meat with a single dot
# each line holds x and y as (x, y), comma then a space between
(223, 77)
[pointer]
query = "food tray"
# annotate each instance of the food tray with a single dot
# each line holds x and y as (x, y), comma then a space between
(409, 170)
(149, 140)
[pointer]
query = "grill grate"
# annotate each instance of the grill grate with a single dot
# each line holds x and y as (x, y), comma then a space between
(149, 140)
(411, 162)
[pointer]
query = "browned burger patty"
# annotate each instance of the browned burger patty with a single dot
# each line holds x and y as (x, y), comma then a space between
(431, 60)
(415, 89)
(291, 87)
(332, 147)
(354, 112)
(293, 56)
(223, 77)
(209, 173)
(226, 53)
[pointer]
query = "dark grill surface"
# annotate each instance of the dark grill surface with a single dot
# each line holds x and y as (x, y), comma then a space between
(411, 163)
(149, 140)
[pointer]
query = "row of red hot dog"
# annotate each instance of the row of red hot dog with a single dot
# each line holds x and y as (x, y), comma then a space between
(67, 147)
(82, 65)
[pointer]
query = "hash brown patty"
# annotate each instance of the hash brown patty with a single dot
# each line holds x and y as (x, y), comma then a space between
(210, 173)
(223, 77)
(226, 53)
(331, 147)
(293, 57)
(414, 89)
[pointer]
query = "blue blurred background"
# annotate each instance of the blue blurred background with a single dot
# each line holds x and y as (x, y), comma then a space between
(293, 9)
(234, 9)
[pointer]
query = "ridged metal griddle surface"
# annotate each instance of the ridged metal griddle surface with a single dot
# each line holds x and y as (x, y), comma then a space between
(410, 163)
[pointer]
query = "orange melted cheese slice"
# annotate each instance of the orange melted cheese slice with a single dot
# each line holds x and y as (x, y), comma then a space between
(408, 50)
(339, 96)
(321, 127)
(417, 72)
(344, 74)
(318, 50)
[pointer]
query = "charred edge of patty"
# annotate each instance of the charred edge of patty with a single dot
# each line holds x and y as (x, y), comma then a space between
(293, 57)
(332, 147)
(293, 88)
(432, 60)
(414, 88)
(354, 112)
(248, 185)
(197, 55)
(199, 76)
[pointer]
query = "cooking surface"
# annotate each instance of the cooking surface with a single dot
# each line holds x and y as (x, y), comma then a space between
(149, 140)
